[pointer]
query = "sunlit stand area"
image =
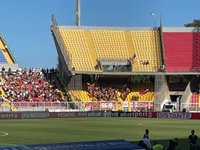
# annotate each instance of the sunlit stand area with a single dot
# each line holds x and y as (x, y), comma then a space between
(128, 67)
(107, 68)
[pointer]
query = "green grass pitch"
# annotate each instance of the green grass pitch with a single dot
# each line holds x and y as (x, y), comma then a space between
(42, 131)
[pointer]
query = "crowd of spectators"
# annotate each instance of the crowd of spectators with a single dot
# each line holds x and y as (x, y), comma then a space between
(107, 92)
(115, 92)
(30, 85)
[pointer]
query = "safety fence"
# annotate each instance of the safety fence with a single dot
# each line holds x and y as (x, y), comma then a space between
(124, 106)
(78, 106)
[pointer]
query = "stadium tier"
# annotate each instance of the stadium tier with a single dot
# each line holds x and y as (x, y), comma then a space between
(29, 88)
(100, 50)
(110, 44)
(78, 49)
(146, 46)
(113, 92)
(89, 55)
(132, 50)
(178, 49)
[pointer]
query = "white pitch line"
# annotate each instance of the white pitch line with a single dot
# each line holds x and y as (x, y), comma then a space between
(4, 133)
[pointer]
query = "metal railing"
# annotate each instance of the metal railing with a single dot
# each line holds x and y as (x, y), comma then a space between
(182, 69)
(39, 106)
(191, 107)
(133, 106)
(66, 55)
(78, 106)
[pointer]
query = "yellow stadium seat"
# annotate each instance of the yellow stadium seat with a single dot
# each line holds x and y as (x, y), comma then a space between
(86, 47)
(76, 44)
(110, 44)
(79, 95)
(146, 44)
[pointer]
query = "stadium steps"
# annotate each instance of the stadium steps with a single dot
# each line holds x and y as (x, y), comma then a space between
(5, 53)
(91, 47)
(131, 50)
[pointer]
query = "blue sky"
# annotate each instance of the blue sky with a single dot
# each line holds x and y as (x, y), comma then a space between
(25, 24)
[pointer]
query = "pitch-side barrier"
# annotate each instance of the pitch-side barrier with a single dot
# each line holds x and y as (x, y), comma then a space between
(42, 115)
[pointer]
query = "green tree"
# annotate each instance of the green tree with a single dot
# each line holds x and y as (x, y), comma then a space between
(195, 23)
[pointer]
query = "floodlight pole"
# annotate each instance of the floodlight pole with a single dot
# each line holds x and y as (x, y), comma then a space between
(78, 13)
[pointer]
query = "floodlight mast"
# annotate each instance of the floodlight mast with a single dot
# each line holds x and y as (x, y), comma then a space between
(78, 13)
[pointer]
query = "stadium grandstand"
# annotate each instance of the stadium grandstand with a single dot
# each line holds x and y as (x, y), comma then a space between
(7, 63)
(127, 68)
(23, 89)
(108, 68)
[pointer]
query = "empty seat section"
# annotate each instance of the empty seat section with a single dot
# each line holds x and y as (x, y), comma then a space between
(110, 44)
(141, 92)
(146, 44)
(196, 52)
(76, 45)
(178, 51)
(90, 44)
(79, 95)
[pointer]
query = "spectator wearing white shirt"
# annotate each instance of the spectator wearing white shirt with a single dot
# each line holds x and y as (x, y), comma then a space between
(148, 143)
